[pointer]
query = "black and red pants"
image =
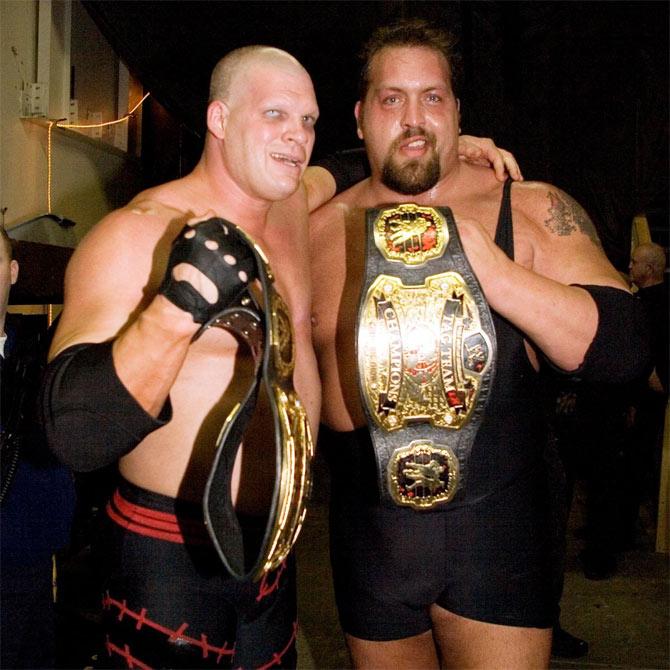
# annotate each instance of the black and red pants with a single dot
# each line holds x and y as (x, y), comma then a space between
(169, 601)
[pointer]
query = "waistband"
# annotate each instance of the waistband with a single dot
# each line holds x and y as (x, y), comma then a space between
(144, 512)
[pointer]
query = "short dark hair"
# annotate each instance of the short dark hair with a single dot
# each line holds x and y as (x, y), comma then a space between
(413, 32)
(7, 242)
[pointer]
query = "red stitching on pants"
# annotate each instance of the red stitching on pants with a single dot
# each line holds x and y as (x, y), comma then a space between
(141, 618)
(131, 661)
(277, 657)
(264, 589)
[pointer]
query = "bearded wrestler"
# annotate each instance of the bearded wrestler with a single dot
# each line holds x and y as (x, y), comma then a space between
(467, 582)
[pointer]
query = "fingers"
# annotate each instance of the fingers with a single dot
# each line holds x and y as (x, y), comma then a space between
(501, 160)
(511, 165)
(200, 282)
(483, 151)
(210, 264)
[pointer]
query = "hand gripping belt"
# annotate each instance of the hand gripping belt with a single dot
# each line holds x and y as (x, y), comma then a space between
(267, 331)
(426, 351)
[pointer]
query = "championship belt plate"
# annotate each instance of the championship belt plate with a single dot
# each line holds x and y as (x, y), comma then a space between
(426, 350)
(266, 328)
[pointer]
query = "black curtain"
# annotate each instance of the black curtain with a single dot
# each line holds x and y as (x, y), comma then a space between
(577, 90)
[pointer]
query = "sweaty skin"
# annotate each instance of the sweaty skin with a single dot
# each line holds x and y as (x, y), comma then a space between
(409, 120)
(555, 242)
(258, 145)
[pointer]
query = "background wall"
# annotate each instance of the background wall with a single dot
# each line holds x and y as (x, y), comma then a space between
(89, 178)
(577, 90)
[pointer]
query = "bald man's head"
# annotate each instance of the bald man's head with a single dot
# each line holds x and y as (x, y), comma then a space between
(237, 62)
(261, 121)
(647, 264)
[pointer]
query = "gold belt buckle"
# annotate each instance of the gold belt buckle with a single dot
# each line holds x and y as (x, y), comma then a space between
(421, 351)
(425, 348)
(423, 474)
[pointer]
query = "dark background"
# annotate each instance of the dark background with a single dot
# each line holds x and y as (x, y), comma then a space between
(578, 91)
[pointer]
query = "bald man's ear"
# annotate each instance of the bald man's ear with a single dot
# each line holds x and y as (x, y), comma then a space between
(13, 271)
(217, 117)
(358, 115)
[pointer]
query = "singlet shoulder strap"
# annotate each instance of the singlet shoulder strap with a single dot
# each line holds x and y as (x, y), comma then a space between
(504, 231)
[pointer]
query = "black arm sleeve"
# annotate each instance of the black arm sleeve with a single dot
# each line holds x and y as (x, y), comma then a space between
(620, 350)
(89, 417)
(348, 167)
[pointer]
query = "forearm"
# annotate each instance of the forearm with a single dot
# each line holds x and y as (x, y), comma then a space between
(319, 185)
(100, 400)
(598, 332)
(560, 320)
(149, 354)
(89, 418)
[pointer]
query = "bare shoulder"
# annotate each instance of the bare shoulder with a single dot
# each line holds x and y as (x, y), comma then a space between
(553, 210)
(124, 241)
(115, 270)
(554, 230)
(337, 211)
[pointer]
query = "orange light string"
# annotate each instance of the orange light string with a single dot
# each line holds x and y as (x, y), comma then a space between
(59, 124)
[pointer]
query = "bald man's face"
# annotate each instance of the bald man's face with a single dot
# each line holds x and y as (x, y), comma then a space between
(269, 133)
(639, 267)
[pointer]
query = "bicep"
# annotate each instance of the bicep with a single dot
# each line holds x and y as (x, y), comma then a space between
(567, 246)
(105, 285)
(577, 261)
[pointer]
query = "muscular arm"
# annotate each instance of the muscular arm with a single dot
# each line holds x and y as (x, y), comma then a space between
(106, 297)
(134, 299)
(558, 247)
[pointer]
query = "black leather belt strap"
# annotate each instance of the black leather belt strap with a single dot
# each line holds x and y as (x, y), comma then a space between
(268, 332)
(426, 352)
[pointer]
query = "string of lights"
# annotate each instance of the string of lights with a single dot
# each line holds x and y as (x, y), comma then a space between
(106, 123)
(59, 123)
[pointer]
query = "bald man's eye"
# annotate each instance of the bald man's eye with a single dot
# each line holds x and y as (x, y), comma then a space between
(273, 114)
(309, 120)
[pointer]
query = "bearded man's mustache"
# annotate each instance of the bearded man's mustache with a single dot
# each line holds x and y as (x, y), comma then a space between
(416, 132)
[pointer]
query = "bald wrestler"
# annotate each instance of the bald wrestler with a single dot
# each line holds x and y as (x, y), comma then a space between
(465, 582)
(126, 361)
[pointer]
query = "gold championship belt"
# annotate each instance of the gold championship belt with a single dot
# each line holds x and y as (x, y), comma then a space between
(267, 331)
(426, 350)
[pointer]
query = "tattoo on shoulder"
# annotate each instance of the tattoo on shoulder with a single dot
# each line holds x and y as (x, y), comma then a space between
(566, 216)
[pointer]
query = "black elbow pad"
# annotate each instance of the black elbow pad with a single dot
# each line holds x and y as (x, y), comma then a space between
(620, 350)
(89, 417)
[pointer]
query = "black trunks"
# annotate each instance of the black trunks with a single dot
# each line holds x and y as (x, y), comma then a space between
(488, 560)
(169, 601)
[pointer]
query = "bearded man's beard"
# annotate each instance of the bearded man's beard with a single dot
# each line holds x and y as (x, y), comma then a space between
(413, 177)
